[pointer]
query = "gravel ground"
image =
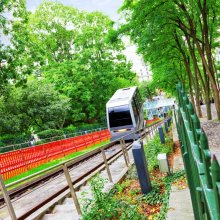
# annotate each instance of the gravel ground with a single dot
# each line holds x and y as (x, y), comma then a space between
(212, 130)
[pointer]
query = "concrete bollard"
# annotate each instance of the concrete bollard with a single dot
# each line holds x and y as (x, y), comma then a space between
(141, 166)
(163, 163)
(161, 134)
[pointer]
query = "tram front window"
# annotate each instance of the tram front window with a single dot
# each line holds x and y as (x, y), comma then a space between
(119, 116)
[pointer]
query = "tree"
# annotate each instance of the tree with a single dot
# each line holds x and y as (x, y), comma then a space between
(147, 90)
(184, 33)
(9, 56)
(71, 50)
(34, 106)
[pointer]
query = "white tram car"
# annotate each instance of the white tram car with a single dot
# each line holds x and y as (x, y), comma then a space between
(124, 113)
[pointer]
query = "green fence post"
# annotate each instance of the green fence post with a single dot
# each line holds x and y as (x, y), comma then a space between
(206, 159)
(200, 202)
(215, 170)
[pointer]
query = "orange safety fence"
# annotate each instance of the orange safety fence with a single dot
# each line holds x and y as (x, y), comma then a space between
(152, 120)
(19, 161)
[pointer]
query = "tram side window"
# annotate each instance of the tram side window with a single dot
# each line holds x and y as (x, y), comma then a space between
(119, 116)
(135, 110)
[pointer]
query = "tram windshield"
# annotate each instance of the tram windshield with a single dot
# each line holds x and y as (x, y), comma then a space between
(119, 116)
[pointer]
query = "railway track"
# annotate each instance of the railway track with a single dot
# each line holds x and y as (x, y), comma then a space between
(33, 199)
(53, 172)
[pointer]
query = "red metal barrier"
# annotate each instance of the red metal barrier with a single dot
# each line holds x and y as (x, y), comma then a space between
(19, 161)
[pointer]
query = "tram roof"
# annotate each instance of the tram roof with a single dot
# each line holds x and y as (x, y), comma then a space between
(121, 97)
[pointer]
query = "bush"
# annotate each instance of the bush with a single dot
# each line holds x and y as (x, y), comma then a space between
(10, 139)
(50, 133)
(70, 129)
(153, 148)
(87, 127)
(104, 205)
(81, 128)
(41, 142)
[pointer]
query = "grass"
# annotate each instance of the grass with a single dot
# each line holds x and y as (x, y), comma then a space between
(154, 122)
(53, 163)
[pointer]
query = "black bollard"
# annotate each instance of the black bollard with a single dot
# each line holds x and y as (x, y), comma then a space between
(166, 126)
(162, 139)
(141, 166)
(169, 121)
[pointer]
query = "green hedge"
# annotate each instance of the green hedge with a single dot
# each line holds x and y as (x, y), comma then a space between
(50, 133)
(85, 127)
(10, 139)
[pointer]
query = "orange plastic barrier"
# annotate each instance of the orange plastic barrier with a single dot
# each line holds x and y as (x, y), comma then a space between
(152, 120)
(19, 161)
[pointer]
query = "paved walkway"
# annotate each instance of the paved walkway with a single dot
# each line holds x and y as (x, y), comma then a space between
(180, 206)
(212, 130)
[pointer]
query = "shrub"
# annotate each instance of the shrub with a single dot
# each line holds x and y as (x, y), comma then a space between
(106, 206)
(86, 127)
(41, 142)
(153, 198)
(70, 129)
(50, 133)
(83, 127)
(152, 149)
(10, 139)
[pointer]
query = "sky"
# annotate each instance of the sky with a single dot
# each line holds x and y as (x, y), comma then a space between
(108, 7)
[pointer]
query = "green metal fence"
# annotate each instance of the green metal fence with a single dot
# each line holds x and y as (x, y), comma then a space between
(202, 169)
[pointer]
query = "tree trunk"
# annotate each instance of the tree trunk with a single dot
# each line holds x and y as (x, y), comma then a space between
(197, 94)
(191, 94)
(196, 71)
(210, 63)
(207, 95)
(212, 80)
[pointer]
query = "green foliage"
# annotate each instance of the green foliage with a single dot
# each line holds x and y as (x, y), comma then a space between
(34, 106)
(50, 133)
(14, 142)
(9, 66)
(82, 127)
(154, 197)
(70, 129)
(153, 148)
(132, 173)
(106, 206)
(121, 187)
(147, 90)
(69, 51)
(170, 113)
(10, 139)
(73, 53)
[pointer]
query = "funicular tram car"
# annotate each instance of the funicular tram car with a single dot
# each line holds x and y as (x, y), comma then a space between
(124, 113)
